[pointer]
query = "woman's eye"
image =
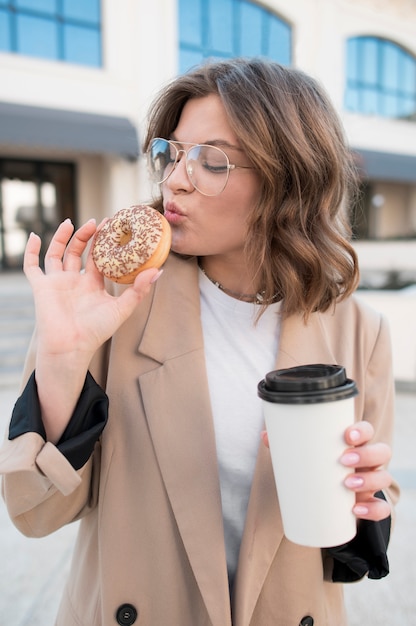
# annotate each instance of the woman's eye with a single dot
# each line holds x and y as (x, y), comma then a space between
(215, 169)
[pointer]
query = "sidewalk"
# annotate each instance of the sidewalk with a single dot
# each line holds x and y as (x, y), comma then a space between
(33, 571)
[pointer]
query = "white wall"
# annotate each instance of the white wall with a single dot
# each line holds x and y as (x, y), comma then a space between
(398, 306)
(400, 311)
(386, 255)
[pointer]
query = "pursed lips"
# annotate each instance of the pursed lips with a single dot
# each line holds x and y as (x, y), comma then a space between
(173, 214)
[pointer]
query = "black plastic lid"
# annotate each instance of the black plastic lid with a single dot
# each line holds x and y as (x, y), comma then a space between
(306, 384)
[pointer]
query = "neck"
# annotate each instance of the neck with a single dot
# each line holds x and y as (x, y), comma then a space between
(256, 297)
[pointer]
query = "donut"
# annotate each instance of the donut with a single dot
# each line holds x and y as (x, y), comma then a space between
(133, 240)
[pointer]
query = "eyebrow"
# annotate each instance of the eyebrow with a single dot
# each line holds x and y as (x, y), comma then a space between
(219, 143)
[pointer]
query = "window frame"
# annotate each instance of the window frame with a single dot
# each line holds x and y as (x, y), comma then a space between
(61, 23)
(201, 47)
(369, 87)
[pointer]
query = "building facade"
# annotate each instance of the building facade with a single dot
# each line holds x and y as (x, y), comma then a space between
(77, 76)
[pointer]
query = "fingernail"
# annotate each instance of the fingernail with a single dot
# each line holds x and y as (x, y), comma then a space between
(355, 435)
(350, 458)
(156, 276)
(264, 438)
(354, 481)
(360, 509)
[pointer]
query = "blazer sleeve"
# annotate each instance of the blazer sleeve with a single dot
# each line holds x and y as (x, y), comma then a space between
(83, 430)
(37, 475)
(366, 554)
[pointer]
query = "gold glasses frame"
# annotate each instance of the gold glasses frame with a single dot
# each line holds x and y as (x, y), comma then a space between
(188, 166)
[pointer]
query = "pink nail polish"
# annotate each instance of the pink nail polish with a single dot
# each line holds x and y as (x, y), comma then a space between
(354, 481)
(156, 276)
(350, 458)
(360, 509)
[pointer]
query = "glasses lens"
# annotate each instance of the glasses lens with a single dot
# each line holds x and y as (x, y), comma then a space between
(161, 158)
(208, 169)
(207, 166)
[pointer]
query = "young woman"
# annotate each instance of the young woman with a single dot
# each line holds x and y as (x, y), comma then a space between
(140, 414)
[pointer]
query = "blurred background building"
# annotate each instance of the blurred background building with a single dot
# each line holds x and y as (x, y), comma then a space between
(77, 76)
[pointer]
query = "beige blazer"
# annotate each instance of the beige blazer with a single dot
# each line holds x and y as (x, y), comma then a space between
(151, 534)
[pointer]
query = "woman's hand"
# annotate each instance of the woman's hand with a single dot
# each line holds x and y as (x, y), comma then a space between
(74, 312)
(75, 315)
(367, 459)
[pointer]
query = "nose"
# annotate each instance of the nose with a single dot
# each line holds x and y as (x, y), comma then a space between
(178, 179)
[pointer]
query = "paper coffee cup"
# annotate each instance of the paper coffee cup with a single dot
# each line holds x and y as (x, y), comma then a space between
(306, 411)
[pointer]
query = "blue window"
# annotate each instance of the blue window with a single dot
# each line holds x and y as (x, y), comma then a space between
(228, 28)
(63, 30)
(381, 78)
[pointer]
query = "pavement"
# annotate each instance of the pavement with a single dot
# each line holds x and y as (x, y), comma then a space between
(33, 571)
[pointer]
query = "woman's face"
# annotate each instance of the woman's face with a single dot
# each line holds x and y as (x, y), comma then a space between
(209, 225)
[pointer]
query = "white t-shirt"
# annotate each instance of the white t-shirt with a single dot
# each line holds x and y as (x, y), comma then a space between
(238, 354)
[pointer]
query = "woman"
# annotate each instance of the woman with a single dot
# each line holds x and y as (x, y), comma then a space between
(180, 520)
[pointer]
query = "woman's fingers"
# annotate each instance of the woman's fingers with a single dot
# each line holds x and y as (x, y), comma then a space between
(265, 438)
(371, 455)
(89, 261)
(31, 256)
(77, 246)
(368, 461)
(369, 476)
(363, 482)
(56, 250)
(359, 433)
(371, 508)
(65, 249)
(129, 298)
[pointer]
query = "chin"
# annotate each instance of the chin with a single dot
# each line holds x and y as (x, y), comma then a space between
(180, 247)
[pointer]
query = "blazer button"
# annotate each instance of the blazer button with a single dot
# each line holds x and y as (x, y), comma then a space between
(126, 615)
(306, 621)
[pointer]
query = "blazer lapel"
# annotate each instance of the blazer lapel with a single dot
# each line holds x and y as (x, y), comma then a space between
(181, 425)
(300, 344)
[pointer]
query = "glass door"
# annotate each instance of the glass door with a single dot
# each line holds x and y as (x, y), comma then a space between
(34, 196)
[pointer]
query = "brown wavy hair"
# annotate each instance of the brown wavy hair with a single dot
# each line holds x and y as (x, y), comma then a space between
(298, 232)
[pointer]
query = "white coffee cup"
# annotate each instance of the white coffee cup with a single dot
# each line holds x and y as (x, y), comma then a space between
(307, 409)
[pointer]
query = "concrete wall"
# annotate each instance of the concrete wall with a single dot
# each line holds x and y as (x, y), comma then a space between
(387, 255)
(377, 259)
(400, 311)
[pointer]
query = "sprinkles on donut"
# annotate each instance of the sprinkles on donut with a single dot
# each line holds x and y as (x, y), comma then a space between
(134, 239)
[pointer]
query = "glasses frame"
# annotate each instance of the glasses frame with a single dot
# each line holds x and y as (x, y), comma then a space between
(173, 142)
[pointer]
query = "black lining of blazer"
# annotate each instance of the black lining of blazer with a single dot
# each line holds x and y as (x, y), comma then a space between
(365, 554)
(83, 430)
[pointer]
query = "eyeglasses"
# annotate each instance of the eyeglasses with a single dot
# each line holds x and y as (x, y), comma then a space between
(208, 167)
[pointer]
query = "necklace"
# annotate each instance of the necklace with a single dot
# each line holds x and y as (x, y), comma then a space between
(255, 298)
